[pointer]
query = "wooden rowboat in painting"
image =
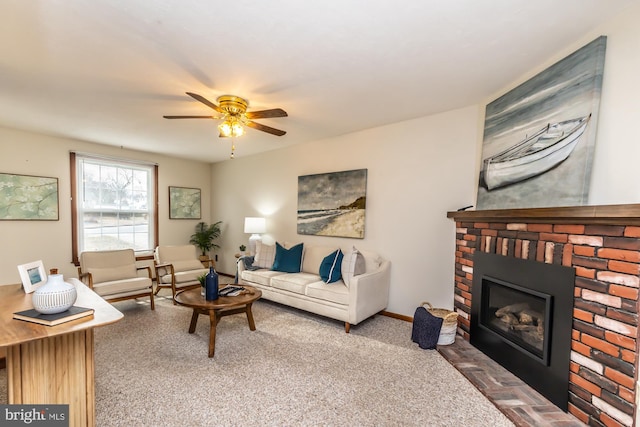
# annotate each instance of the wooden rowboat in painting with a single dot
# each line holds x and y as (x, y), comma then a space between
(535, 155)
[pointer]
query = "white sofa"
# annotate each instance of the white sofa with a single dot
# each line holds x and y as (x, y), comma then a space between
(365, 293)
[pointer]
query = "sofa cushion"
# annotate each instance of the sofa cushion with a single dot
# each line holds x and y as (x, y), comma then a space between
(192, 264)
(288, 260)
(142, 284)
(330, 267)
(313, 256)
(294, 282)
(185, 276)
(265, 254)
(372, 261)
(262, 277)
(336, 292)
(353, 264)
(166, 254)
(109, 274)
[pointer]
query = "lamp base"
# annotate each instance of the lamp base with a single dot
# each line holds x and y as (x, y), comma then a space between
(252, 243)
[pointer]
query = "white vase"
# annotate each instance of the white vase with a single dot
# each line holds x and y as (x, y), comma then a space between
(55, 296)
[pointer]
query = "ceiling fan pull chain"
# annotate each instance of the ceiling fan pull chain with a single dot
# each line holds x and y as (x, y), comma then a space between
(233, 147)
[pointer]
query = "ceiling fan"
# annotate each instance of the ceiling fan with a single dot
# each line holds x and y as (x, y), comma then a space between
(233, 110)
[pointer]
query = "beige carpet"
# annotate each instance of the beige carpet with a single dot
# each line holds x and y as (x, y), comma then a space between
(296, 369)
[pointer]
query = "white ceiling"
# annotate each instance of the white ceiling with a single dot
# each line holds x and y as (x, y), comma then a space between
(106, 71)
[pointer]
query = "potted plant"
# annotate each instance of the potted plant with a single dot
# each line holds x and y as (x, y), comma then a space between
(242, 249)
(204, 236)
(203, 281)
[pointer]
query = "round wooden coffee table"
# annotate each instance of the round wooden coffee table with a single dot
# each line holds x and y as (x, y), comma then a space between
(223, 306)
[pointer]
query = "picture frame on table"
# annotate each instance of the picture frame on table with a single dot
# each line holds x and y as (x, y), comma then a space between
(33, 275)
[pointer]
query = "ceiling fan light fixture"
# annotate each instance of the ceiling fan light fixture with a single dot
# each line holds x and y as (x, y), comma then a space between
(235, 117)
(237, 129)
(231, 127)
(233, 105)
(225, 129)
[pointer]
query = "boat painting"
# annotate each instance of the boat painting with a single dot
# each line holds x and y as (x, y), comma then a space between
(534, 155)
(568, 89)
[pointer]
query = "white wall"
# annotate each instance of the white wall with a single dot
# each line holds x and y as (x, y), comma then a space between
(35, 154)
(615, 173)
(420, 169)
(614, 177)
(416, 171)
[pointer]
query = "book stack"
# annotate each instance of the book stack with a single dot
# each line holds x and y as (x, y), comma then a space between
(73, 313)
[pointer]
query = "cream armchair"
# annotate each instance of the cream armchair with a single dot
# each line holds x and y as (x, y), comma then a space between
(178, 268)
(114, 275)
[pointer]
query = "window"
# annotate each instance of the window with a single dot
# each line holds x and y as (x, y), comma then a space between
(113, 204)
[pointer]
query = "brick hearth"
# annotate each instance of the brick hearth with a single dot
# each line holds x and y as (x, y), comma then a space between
(602, 243)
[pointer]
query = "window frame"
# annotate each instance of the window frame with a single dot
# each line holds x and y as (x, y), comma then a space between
(75, 255)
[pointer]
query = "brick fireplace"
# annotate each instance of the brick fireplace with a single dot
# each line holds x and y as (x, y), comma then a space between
(602, 244)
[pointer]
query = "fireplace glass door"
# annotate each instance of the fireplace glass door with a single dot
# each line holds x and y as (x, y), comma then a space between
(519, 316)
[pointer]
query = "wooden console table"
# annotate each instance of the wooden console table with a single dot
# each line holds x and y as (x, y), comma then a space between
(53, 364)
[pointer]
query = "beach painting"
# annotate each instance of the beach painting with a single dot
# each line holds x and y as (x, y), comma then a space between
(539, 138)
(333, 204)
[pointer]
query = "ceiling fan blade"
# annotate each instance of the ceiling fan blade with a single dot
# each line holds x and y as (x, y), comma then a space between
(264, 128)
(205, 101)
(265, 114)
(189, 117)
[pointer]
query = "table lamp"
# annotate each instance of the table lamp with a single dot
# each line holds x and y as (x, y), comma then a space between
(254, 226)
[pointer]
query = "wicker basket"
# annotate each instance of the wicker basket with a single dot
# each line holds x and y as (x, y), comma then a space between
(449, 324)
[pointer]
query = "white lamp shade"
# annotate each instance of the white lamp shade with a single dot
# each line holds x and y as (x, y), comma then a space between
(255, 225)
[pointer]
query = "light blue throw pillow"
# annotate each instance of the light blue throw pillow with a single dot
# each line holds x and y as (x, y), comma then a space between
(288, 260)
(330, 267)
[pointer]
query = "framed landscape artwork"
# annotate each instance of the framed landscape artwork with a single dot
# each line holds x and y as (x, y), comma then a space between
(333, 204)
(539, 138)
(184, 203)
(26, 197)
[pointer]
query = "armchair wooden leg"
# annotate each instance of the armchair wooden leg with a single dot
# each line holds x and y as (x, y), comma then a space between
(153, 303)
(174, 291)
(347, 327)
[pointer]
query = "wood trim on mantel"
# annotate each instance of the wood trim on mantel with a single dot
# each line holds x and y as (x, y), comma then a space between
(597, 214)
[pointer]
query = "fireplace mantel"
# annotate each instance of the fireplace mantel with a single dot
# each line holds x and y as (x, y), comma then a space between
(595, 214)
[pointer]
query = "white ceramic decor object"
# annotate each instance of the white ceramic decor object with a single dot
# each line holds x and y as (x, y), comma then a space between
(55, 296)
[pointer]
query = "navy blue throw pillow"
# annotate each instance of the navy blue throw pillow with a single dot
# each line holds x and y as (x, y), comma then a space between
(330, 267)
(288, 260)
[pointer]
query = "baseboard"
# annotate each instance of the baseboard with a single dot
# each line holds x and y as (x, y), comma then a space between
(397, 316)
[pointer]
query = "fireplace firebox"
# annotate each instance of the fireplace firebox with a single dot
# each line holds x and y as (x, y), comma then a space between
(521, 317)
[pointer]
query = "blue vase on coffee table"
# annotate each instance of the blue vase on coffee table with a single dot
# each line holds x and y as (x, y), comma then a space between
(211, 285)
